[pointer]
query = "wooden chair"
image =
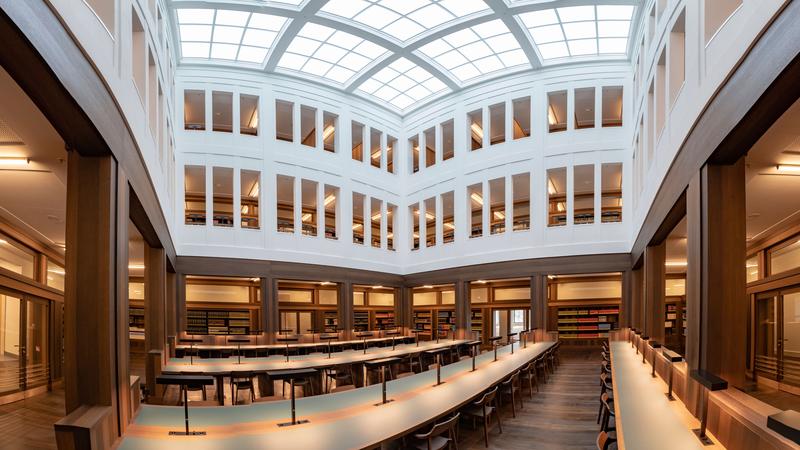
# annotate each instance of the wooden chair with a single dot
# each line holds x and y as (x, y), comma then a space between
(242, 380)
(188, 389)
(540, 363)
(608, 414)
(510, 387)
(435, 440)
(528, 374)
(604, 440)
(484, 409)
(303, 383)
(605, 387)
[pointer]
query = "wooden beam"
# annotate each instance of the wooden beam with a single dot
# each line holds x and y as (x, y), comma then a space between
(654, 276)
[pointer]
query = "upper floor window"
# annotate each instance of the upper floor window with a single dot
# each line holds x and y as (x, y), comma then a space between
(308, 204)
(222, 108)
(375, 151)
(308, 126)
(330, 122)
(413, 148)
(583, 193)
(497, 123)
(612, 106)
(497, 205)
(284, 121)
(430, 146)
(475, 199)
(716, 13)
(194, 182)
(522, 117)
(16, 258)
(285, 203)
(391, 143)
(223, 196)
(448, 139)
(359, 202)
(521, 186)
(475, 123)
(357, 140)
(194, 109)
(55, 275)
(611, 201)
(557, 111)
(448, 217)
(250, 193)
(248, 114)
(584, 108)
(330, 204)
(556, 196)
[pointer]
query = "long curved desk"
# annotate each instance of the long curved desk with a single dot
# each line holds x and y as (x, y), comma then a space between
(345, 420)
(223, 367)
(229, 348)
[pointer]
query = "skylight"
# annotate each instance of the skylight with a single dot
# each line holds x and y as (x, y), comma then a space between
(226, 34)
(589, 30)
(330, 54)
(401, 84)
(403, 19)
(482, 49)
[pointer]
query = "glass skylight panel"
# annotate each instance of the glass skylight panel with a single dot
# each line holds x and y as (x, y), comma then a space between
(469, 53)
(226, 34)
(330, 54)
(401, 84)
(403, 19)
(588, 30)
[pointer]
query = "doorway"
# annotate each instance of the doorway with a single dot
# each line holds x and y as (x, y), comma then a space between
(24, 345)
(777, 338)
(507, 321)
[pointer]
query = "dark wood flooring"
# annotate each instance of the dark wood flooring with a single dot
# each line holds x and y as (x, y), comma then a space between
(561, 416)
(28, 424)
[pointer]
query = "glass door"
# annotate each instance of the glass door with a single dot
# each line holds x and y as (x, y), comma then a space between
(37, 352)
(11, 357)
(790, 341)
(767, 345)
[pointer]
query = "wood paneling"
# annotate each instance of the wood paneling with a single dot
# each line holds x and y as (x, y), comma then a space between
(654, 276)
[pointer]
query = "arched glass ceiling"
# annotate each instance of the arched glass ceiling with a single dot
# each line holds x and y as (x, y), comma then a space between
(402, 53)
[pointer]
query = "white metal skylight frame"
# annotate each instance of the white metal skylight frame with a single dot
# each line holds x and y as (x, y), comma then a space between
(331, 54)
(217, 34)
(580, 31)
(454, 52)
(403, 20)
(402, 84)
(482, 49)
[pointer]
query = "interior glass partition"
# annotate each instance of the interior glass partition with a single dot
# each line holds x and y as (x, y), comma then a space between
(250, 193)
(497, 205)
(223, 196)
(583, 194)
(475, 123)
(285, 203)
(557, 197)
(358, 218)
(475, 219)
(308, 126)
(194, 191)
(522, 117)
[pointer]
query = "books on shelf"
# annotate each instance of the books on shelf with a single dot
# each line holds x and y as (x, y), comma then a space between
(218, 322)
(587, 322)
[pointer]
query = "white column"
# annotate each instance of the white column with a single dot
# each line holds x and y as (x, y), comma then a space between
(570, 193)
(384, 160)
(509, 204)
(509, 125)
(320, 205)
(570, 109)
(296, 138)
(486, 128)
(423, 154)
(598, 194)
(461, 213)
(236, 113)
(437, 132)
(318, 124)
(423, 229)
(368, 221)
(384, 223)
(486, 207)
(598, 106)
(297, 203)
(209, 194)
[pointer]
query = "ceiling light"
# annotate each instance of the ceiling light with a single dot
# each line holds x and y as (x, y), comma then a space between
(499, 215)
(560, 207)
(357, 226)
(376, 216)
(3, 241)
(428, 286)
(795, 168)
(330, 199)
(253, 190)
(57, 271)
(477, 131)
(135, 266)
(326, 283)
(328, 132)
(306, 217)
(476, 198)
(13, 161)
(675, 263)
(481, 281)
(377, 286)
(449, 226)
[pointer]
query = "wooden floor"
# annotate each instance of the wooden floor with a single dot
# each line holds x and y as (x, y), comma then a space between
(28, 424)
(561, 416)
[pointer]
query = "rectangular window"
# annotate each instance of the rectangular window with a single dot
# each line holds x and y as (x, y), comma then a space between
(475, 122)
(556, 197)
(557, 111)
(651, 112)
(784, 257)
(522, 201)
(497, 123)
(716, 14)
(308, 214)
(391, 143)
(248, 114)
(611, 202)
(138, 54)
(223, 196)
(612, 106)
(194, 185)
(430, 222)
(152, 94)
(430, 146)
(105, 12)
(448, 217)
(284, 121)
(522, 117)
(391, 215)
(331, 194)
(194, 109)
(583, 193)
(375, 147)
(358, 218)
(16, 258)
(284, 193)
(222, 110)
(329, 123)
(752, 269)
(475, 219)
(375, 217)
(497, 205)
(677, 57)
(357, 139)
(55, 275)
(308, 126)
(413, 215)
(584, 108)
(413, 148)
(448, 136)
(661, 92)
(250, 195)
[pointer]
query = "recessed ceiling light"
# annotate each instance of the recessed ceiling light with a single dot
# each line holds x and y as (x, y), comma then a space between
(14, 161)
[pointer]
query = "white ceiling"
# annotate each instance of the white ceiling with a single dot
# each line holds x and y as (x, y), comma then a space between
(32, 198)
(401, 53)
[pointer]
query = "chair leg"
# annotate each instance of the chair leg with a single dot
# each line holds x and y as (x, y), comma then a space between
(513, 405)
(485, 431)
(499, 422)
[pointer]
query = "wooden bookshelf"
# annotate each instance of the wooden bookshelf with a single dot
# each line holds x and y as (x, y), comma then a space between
(423, 321)
(587, 322)
(445, 321)
(383, 320)
(476, 321)
(330, 321)
(218, 321)
(361, 320)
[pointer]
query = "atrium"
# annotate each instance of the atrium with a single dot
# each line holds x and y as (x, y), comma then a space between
(341, 224)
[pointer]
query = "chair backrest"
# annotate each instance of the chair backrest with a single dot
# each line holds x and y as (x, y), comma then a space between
(241, 374)
(487, 397)
(441, 428)
(602, 441)
(512, 379)
(604, 399)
